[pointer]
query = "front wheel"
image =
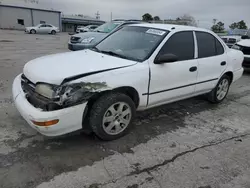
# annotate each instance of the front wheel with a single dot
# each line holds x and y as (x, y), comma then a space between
(53, 32)
(219, 93)
(111, 116)
(33, 31)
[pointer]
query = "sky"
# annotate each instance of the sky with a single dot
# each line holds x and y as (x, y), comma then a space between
(204, 11)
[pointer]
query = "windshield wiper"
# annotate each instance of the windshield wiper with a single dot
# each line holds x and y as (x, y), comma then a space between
(113, 54)
(95, 49)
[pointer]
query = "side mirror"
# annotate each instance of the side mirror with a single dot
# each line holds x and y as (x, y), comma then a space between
(244, 37)
(166, 58)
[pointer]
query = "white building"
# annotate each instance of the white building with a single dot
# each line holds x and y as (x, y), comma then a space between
(70, 22)
(17, 17)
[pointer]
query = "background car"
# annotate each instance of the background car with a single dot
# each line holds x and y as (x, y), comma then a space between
(86, 29)
(244, 46)
(42, 28)
(247, 35)
(231, 40)
(90, 39)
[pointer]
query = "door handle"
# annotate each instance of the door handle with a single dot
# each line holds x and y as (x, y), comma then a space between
(223, 63)
(193, 69)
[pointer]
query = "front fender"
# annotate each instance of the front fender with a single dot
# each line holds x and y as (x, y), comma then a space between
(136, 77)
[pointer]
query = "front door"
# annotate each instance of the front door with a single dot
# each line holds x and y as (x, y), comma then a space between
(175, 80)
(42, 29)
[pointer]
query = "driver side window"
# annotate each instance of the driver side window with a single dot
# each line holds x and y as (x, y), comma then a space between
(42, 25)
(180, 44)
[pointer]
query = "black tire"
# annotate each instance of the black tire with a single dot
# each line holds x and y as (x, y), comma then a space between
(32, 31)
(99, 109)
(212, 96)
(53, 32)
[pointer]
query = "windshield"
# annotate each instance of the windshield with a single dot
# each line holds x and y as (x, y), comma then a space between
(107, 27)
(134, 43)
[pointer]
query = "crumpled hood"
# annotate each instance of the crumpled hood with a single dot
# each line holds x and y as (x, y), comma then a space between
(96, 35)
(55, 68)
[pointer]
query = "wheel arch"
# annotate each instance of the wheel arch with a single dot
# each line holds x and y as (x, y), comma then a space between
(230, 74)
(33, 30)
(127, 90)
(52, 30)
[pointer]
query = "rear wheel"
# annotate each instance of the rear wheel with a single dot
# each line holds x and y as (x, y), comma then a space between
(111, 116)
(53, 32)
(219, 93)
(33, 31)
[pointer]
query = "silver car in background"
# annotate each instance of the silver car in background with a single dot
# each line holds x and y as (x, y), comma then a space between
(42, 29)
(88, 40)
(86, 28)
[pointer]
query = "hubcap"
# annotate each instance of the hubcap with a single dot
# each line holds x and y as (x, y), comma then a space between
(222, 89)
(116, 118)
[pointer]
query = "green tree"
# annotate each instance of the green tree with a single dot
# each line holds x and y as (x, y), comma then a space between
(233, 25)
(189, 20)
(238, 25)
(157, 18)
(219, 27)
(242, 25)
(147, 17)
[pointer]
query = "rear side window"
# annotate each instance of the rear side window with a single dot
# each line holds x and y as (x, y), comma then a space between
(219, 47)
(208, 45)
(180, 44)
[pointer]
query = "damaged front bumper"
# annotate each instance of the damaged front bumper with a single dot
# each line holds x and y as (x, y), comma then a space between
(70, 119)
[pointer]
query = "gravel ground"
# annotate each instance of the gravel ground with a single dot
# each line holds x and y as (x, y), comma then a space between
(190, 143)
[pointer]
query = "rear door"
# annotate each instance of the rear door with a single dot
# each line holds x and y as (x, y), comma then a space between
(212, 61)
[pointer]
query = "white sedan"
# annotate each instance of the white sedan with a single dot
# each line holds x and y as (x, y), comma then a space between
(137, 67)
(42, 28)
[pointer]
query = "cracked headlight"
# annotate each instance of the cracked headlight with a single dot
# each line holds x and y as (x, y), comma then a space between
(71, 94)
(87, 40)
(45, 90)
(62, 95)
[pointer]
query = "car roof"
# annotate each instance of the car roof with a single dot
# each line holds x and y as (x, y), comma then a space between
(170, 27)
(127, 21)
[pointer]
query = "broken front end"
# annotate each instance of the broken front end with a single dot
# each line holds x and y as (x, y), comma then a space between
(49, 97)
